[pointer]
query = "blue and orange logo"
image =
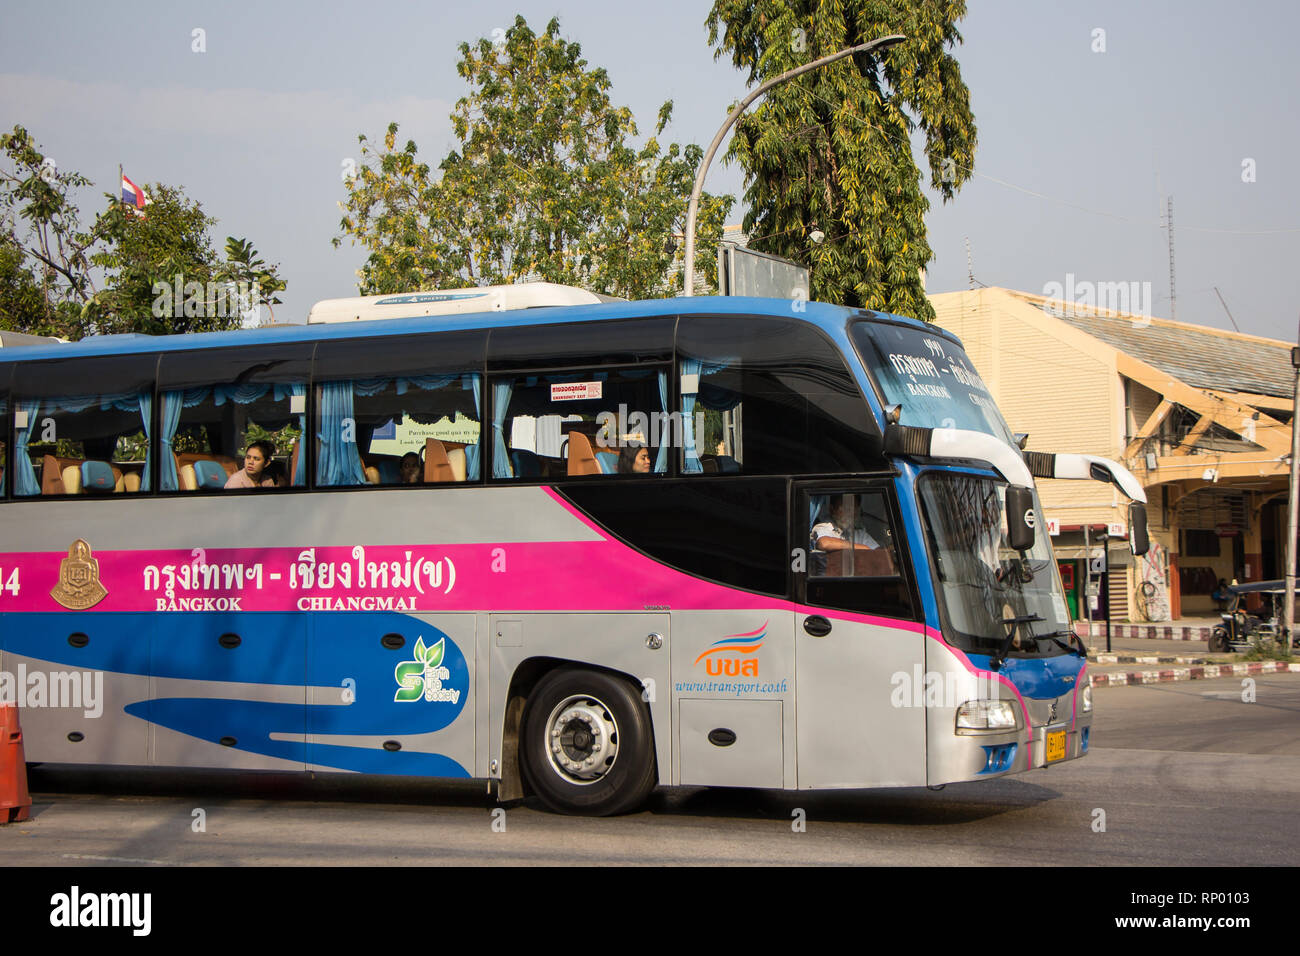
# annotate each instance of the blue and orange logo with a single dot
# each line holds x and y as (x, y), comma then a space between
(747, 643)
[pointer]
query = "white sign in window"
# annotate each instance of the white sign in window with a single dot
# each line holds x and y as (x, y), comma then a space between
(573, 390)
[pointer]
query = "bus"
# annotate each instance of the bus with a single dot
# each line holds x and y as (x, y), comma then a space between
(575, 547)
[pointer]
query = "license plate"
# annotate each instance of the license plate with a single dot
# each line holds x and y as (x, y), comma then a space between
(1056, 745)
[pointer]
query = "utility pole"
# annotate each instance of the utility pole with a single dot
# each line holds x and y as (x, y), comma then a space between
(688, 267)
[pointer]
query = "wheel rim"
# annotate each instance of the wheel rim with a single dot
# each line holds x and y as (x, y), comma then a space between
(581, 739)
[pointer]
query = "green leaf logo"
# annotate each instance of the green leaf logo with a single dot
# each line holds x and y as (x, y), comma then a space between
(419, 649)
(434, 656)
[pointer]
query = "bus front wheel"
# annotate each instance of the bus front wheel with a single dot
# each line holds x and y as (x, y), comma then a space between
(587, 745)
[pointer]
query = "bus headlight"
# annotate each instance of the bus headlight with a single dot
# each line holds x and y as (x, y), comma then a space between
(1087, 699)
(986, 715)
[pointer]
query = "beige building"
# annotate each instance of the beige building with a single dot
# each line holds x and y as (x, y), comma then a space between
(1202, 417)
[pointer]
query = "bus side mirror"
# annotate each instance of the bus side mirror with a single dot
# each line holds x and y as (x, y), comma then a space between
(1020, 518)
(1137, 528)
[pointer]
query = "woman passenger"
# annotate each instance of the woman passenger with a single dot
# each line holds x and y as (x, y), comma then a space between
(254, 475)
(634, 460)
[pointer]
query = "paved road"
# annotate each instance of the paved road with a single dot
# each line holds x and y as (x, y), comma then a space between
(1185, 774)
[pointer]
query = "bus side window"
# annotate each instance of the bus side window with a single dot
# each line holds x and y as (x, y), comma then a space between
(209, 429)
(853, 558)
(83, 444)
(761, 396)
(399, 430)
(580, 424)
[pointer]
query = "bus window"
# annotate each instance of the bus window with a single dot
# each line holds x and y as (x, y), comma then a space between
(574, 424)
(402, 429)
(215, 403)
(4, 450)
(84, 444)
(853, 554)
(850, 536)
(210, 427)
(769, 397)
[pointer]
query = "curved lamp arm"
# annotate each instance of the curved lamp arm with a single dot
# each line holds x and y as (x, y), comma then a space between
(694, 206)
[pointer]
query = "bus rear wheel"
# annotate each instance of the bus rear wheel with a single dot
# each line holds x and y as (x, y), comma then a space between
(587, 745)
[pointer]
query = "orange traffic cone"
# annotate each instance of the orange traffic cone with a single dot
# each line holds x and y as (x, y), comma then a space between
(15, 801)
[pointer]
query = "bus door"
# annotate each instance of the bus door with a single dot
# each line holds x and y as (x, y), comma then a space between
(856, 639)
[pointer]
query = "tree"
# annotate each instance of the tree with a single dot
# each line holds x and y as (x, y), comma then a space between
(44, 262)
(158, 271)
(830, 151)
(543, 184)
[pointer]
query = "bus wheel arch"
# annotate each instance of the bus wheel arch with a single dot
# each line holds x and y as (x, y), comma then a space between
(559, 712)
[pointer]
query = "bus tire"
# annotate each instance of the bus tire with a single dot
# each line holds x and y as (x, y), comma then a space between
(587, 746)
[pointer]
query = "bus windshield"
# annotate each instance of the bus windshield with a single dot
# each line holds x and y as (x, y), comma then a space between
(980, 580)
(930, 376)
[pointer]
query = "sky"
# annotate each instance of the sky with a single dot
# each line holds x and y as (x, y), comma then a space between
(1089, 116)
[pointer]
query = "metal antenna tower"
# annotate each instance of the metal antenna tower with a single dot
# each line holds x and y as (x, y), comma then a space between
(1169, 224)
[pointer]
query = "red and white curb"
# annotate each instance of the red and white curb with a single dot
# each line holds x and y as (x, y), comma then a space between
(1202, 672)
(1159, 632)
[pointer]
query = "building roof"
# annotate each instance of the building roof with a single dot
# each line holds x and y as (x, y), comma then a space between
(1199, 356)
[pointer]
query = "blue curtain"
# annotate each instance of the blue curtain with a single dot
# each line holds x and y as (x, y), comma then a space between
(299, 478)
(146, 416)
(665, 431)
(339, 462)
(501, 393)
(373, 386)
(473, 452)
(691, 463)
(169, 420)
(240, 394)
(25, 474)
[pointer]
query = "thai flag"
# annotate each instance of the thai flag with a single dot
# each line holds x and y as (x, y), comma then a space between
(132, 194)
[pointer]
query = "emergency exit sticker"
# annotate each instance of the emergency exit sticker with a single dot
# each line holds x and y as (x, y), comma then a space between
(571, 390)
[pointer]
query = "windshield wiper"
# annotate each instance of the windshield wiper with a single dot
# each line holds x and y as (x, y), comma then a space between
(1011, 623)
(1055, 638)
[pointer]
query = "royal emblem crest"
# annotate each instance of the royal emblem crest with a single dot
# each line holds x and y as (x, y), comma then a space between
(79, 586)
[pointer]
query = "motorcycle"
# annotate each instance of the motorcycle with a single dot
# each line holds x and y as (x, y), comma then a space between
(1241, 629)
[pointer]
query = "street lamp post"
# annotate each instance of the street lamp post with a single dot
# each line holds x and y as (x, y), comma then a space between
(693, 208)
(1105, 577)
(1292, 491)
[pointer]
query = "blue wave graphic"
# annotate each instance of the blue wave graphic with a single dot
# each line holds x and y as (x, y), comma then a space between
(326, 652)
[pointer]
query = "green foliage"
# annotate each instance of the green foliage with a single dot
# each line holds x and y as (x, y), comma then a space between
(246, 268)
(830, 150)
(1265, 647)
(169, 240)
(543, 185)
(24, 305)
(283, 439)
(48, 263)
(44, 263)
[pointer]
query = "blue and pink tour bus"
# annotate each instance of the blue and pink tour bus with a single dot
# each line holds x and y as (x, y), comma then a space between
(577, 547)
